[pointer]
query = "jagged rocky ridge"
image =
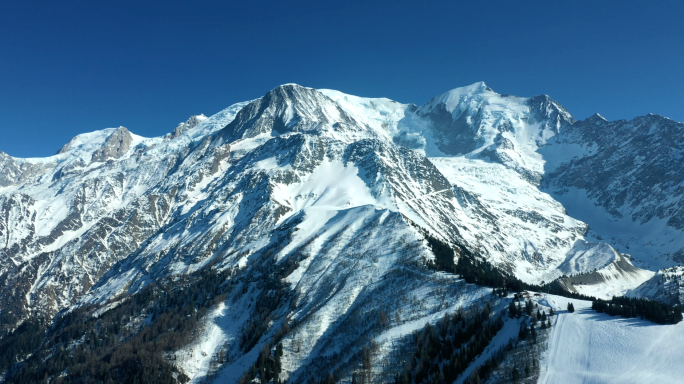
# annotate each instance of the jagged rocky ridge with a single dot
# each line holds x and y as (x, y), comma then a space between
(341, 184)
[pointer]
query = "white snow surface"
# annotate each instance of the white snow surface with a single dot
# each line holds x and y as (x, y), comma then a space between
(511, 216)
(590, 347)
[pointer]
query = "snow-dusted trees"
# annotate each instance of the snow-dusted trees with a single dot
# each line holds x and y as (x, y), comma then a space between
(366, 363)
(131, 342)
(512, 309)
(444, 351)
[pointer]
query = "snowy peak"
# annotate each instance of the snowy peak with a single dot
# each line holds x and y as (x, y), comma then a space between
(87, 143)
(477, 122)
(287, 108)
(16, 171)
(549, 112)
(597, 118)
(458, 97)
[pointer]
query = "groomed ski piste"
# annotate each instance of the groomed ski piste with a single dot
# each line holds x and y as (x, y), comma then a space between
(591, 347)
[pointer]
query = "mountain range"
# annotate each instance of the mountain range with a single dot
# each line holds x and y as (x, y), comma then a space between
(326, 201)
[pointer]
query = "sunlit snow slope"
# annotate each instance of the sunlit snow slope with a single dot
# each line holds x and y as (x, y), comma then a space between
(590, 347)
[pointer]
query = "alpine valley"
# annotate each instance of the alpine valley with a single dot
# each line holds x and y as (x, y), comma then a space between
(312, 236)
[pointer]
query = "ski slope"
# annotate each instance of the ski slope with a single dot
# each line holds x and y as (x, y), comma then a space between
(590, 347)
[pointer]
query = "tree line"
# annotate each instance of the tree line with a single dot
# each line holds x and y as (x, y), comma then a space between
(476, 270)
(629, 307)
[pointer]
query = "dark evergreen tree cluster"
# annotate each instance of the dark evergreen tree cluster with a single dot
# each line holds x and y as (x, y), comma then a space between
(126, 344)
(442, 352)
(444, 256)
(476, 270)
(18, 344)
(655, 311)
(274, 292)
(515, 362)
(267, 367)
(513, 309)
(527, 331)
(269, 299)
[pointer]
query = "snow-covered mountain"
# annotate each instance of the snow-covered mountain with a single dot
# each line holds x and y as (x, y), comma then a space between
(624, 179)
(666, 286)
(342, 190)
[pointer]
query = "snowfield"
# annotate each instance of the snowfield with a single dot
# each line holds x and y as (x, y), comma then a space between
(590, 347)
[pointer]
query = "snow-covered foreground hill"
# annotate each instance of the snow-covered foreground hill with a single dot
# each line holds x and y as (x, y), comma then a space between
(317, 206)
(590, 347)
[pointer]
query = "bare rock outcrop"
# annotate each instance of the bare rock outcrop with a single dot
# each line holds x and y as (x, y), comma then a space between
(116, 146)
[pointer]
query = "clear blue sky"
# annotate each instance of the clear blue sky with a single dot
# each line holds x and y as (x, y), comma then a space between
(68, 67)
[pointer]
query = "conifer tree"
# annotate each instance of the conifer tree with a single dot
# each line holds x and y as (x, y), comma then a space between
(512, 309)
(533, 331)
(571, 308)
(677, 315)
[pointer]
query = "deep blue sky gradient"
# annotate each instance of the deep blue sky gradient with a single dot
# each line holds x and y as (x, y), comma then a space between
(68, 67)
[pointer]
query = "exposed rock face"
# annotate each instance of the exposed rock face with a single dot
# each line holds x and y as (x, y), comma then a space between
(630, 168)
(289, 108)
(192, 122)
(114, 147)
(9, 170)
(13, 172)
(667, 286)
(625, 179)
